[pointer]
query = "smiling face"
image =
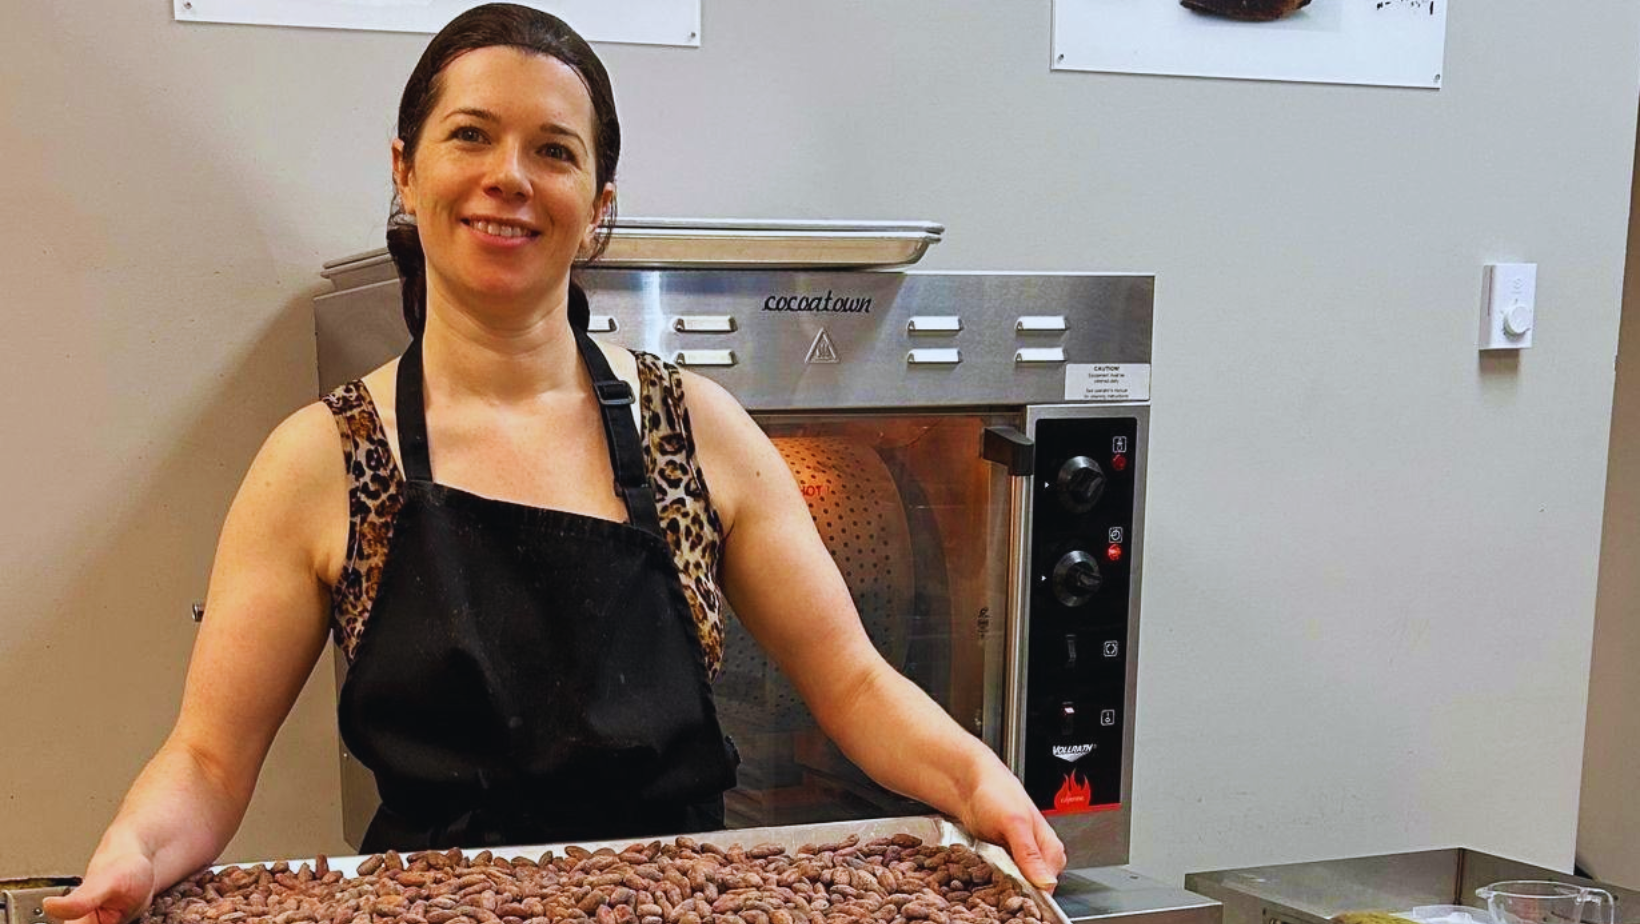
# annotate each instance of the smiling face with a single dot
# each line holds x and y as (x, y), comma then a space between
(502, 182)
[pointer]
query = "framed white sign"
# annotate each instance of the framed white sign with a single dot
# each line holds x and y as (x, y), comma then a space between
(643, 22)
(1381, 42)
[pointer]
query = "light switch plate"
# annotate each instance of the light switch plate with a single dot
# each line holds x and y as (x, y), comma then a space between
(1508, 306)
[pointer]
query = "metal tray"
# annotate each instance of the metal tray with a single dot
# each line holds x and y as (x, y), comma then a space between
(697, 243)
(20, 898)
(933, 829)
(727, 244)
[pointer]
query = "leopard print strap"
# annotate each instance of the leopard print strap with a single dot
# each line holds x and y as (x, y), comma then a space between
(688, 519)
(690, 524)
(375, 492)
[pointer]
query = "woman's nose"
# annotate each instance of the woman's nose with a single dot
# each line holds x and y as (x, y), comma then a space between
(506, 172)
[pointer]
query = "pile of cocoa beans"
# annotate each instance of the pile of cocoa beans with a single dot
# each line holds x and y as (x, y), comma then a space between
(890, 880)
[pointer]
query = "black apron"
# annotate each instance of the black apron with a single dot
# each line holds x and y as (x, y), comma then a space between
(530, 676)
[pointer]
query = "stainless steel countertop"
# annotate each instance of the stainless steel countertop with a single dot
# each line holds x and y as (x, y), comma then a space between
(1313, 893)
(1109, 893)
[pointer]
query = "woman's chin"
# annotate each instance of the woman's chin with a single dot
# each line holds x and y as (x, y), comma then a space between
(507, 293)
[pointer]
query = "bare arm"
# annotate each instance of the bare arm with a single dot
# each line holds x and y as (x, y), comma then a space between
(798, 607)
(266, 626)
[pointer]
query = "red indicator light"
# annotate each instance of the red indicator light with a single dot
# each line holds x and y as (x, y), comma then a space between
(1119, 462)
(1114, 553)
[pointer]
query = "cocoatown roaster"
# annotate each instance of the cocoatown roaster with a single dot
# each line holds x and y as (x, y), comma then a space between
(972, 447)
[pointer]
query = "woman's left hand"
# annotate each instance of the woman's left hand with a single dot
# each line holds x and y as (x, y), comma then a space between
(999, 811)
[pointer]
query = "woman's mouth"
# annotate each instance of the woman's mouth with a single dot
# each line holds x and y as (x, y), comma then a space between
(501, 229)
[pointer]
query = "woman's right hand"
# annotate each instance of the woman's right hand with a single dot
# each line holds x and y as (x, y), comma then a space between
(118, 886)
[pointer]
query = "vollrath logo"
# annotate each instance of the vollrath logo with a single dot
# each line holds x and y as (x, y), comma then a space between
(1072, 752)
(828, 303)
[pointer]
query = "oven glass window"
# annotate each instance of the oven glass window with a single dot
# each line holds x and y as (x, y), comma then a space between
(917, 523)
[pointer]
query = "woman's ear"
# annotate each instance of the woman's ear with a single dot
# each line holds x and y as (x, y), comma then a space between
(600, 212)
(401, 178)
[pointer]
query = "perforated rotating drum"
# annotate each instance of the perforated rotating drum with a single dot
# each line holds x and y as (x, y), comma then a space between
(861, 517)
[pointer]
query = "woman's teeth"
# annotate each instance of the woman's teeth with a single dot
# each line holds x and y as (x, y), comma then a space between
(499, 230)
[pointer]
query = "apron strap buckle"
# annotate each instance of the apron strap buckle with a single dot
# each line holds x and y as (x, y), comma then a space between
(614, 394)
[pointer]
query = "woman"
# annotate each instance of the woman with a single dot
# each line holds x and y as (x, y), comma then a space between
(539, 646)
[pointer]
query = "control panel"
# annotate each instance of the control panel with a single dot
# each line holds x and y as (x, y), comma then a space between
(1082, 522)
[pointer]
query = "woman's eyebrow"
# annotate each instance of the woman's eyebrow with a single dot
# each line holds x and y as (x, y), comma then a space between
(485, 115)
(553, 128)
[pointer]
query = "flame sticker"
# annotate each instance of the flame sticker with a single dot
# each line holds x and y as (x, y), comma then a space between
(1073, 796)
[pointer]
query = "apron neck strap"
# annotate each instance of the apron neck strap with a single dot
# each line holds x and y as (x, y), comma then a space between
(625, 455)
(412, 416)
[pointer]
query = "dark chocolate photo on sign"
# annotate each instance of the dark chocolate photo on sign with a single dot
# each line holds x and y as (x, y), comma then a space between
(1391, 43)
(1246, 10)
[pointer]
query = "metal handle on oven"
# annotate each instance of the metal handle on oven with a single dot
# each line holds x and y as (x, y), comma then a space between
(1008, 447)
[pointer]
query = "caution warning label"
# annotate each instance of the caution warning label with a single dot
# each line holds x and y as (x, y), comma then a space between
(1107, 382)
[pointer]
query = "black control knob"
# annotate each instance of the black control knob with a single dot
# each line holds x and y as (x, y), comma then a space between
(1081, 483)
(1076, 578)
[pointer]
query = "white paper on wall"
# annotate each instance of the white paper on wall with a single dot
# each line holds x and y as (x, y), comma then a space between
(644, 22)
(1382, 42)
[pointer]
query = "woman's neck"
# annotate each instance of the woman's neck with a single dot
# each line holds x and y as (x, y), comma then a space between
(470, 355)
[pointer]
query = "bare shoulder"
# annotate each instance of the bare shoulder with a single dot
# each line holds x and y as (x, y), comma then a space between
(621, 362)
(304, 447)
(718, 421)
(297, 487)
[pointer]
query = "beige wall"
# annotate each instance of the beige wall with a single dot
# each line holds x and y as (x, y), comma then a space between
(1369, 551)
(1608, 834)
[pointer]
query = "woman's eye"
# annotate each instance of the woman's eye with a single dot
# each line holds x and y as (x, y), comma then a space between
(558, 152)
(467, 133)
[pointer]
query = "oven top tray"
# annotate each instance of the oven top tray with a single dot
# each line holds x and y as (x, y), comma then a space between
(933, 829)
(738, 244)
(701, 243)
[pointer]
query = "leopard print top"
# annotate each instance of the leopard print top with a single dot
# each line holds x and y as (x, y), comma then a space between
(690, 524)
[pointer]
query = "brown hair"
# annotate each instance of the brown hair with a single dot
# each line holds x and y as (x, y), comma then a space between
(493, 24)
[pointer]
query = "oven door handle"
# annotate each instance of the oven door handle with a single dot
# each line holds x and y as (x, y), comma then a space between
(1016, 452)
(1010, 449)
